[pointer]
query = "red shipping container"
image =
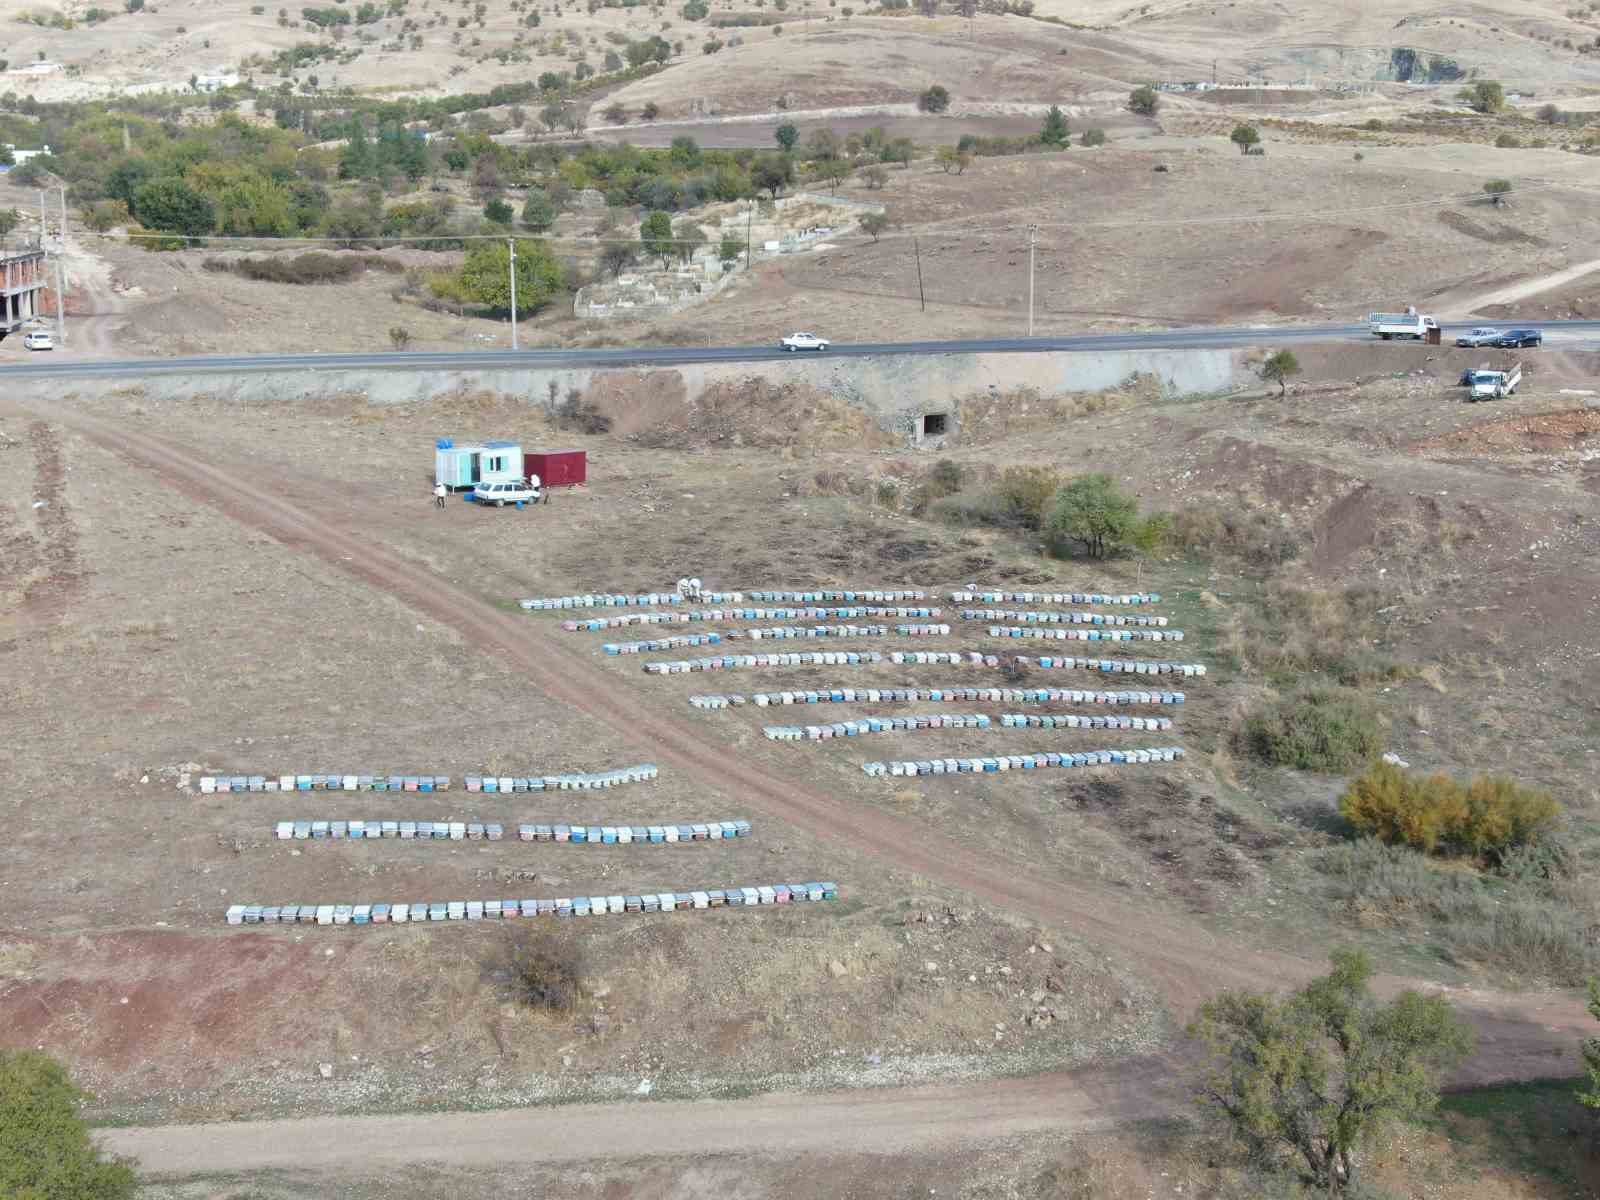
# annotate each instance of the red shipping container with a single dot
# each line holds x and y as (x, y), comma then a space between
(557, 468)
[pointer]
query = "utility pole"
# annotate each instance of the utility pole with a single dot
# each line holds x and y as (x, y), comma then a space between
(921, 295)
(63, 218)
(511, 244)
(749, 218)
(41, 219)
(1033, 232)
(61, 285)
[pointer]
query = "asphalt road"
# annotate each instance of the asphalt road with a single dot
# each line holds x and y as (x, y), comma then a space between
(479, 360)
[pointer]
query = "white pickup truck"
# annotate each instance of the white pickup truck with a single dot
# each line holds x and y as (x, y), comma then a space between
(1409, 324)
(1493, 385)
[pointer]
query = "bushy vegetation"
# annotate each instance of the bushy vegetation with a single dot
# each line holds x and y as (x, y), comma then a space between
(546, 969)
(1484, 818)
(1529, 918)
(312, 267)
(1332, 730)
(1251, 534)
(1027, 493)
(45, 1150)
(1290, 631)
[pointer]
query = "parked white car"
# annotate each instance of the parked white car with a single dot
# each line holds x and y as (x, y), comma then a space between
(38, 339)
(804, 341)
(505, 492)
(1481, 336)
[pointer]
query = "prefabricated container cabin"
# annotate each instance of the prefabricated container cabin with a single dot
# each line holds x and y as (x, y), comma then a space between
(557, 468)
(463, 466)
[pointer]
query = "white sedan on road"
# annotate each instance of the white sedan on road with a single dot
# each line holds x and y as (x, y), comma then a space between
(804, 341)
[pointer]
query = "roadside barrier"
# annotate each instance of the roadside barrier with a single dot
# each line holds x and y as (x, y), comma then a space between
(1035, 617)
(734, 662)
(473, 831)
(1024, 762)
(1087, 635)
(323, 783)
(414, 912)
(958, 695)
(865, 725)
(568, 781)
(970, 597)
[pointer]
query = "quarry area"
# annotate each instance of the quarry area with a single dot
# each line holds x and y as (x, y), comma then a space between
(760, 809)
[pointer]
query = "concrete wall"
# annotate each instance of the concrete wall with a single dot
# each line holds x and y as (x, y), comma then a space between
(896, 390)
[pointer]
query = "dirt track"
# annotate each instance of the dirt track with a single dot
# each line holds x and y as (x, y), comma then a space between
(1520, 1036)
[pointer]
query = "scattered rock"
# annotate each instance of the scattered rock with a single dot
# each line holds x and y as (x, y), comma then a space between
(325, 1070)
(930, 966)
(645, 1088)
(837, 968)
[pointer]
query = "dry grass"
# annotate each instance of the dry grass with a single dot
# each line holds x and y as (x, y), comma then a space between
(17, 959)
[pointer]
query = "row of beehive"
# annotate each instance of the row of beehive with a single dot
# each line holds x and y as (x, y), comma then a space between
(799, 658)
(625, 600)
(1108, 666)
(989, 695)
(494, 910)
(1024, 762)
(489, 831)
(581, 781)
(976, 597)
(868, 596)
(1087, 635)
(1034, 617)
(1085, 721)
(865, 725)
(728, 615)
(666, 643)
(324, 783)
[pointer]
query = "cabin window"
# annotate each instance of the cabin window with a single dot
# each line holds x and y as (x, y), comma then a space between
(933, 425)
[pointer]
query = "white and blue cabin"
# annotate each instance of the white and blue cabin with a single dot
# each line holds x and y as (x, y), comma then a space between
(462, 466)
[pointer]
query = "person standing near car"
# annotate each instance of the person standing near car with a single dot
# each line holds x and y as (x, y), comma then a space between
(438, 494)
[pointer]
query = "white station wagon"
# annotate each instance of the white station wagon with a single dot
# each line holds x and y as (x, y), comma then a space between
(804, 341)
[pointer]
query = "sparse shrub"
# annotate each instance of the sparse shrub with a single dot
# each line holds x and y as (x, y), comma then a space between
(1250, 534)
(967, 509)
(1485, 96)
(1497, 190)
(545, 968)
(1144, 100)
(1330, 730)
(1482, 819)
(935, 100)
(874, 177)
(399, 337)
(1027, 493)
(1293, 631)
(1092, 137)
(311, 267)
(1245, 137)
(943, 479)
(1507, 141)
(575, 414)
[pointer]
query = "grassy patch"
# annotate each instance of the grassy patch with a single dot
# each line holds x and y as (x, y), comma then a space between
(1289, 632)
(1536, 1129)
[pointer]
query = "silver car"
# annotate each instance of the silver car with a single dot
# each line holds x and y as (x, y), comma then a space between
(1479, 337)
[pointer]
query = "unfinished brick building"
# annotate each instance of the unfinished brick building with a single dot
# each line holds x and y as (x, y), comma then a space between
(21, 282)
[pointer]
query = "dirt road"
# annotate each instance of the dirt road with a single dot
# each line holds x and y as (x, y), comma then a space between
(1516, 292)
(883, 1121)
(1519, 1036)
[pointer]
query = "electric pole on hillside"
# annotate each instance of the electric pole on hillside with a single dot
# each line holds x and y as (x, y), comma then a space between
(1033, 232)
(511, 245)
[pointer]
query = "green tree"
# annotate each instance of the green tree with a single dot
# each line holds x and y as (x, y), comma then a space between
(1497, 190)
(6, 157)
(772, 172)
(172, 206)
(1094, 513)
(1485, 96)
(935, 100)
(617, 257)
(685, 153)
(787, 136)
(651, 109)
(497, 212)
(1279, 367)
(875, 223)
(538, 213)
(1055, 129)
(485, 277)
(1317, 1075)
(687, 237)
(900, 150)
(10, 218)
(730, 248)
(655, 236)
(357, 160)
(1144, 100)
(1244, 136)
(45, 1150)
